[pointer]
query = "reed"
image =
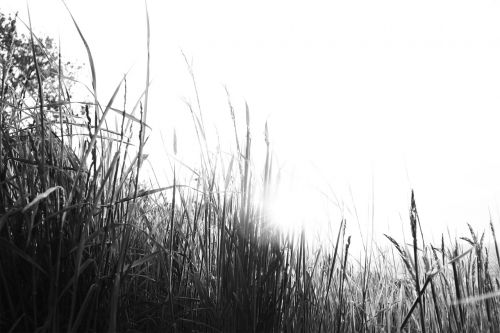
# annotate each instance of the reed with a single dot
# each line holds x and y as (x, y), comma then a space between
(87, 246)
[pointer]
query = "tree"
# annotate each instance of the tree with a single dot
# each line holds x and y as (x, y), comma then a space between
(18, 69)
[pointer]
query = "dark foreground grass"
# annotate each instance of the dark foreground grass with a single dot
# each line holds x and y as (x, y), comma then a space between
(83, 247)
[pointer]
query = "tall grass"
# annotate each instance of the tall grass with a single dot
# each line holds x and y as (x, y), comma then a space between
(85, 247)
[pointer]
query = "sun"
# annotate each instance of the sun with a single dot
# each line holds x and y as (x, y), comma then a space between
(295, 207)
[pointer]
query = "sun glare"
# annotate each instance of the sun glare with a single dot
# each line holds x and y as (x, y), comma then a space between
(296, 206)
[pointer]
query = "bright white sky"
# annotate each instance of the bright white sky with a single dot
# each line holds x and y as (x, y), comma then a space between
(366, 96)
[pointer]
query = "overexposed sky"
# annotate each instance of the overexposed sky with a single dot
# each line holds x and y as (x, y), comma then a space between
(372, 98)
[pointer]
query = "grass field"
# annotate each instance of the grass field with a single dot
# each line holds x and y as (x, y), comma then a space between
(85, 246)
